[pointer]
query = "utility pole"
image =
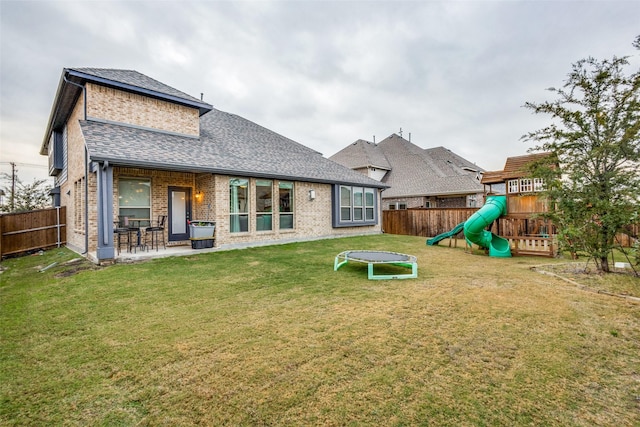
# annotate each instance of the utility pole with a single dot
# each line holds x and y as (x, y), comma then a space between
(13, 186)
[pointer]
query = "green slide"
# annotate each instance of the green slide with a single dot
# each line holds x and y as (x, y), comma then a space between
(434, 240)
(474, 228)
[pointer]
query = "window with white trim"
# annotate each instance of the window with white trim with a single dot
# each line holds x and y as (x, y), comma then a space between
(526, 185)
(538, 184)
(513, 186)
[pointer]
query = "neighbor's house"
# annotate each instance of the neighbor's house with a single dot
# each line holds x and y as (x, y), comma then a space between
(417, 177)
(123, 144)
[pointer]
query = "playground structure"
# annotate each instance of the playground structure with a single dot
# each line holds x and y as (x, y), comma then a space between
(475, 228)
(515, 213)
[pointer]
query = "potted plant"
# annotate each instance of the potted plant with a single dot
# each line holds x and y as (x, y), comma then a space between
(201, 233)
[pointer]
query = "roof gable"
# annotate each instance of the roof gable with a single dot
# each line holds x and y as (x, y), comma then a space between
(361, 154)
(73, 80)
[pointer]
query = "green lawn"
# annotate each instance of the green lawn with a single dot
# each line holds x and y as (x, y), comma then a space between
(273, 336)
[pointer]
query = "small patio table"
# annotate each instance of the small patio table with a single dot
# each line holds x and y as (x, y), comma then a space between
(379, 257)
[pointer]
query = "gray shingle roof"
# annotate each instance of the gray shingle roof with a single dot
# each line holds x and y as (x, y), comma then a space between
(361, 154)
(416, 171)
(136, 79)
(228, 144)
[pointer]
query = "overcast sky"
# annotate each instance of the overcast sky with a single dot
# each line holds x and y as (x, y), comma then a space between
(325, 74)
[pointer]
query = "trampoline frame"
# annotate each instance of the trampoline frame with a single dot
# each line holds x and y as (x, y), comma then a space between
(411, 262)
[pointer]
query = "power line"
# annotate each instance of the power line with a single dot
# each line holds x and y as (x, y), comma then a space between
(33, 165)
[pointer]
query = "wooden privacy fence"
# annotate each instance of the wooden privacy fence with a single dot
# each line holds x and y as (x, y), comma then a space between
(424, 222)
(27, 231)
(526, 235)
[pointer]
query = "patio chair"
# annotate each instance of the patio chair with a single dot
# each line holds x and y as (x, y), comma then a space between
(154, 230)
(121, 231)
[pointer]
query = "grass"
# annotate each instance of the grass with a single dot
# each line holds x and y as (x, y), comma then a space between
(273, 336)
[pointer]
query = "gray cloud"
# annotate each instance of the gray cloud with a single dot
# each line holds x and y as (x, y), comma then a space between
(322, 73)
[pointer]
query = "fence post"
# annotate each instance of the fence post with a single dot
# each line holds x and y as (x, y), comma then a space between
(58, 224)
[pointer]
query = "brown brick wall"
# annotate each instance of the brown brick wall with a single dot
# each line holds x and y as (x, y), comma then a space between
(312, 218)
(119, 106)
(75, 172)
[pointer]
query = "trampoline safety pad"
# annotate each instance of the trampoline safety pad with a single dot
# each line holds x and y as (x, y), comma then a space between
(379, 257)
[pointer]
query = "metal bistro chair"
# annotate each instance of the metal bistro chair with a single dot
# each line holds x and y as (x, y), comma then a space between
(154, 230)
(121, 231)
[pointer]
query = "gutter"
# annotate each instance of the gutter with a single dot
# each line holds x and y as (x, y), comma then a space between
(86, 171)
(235, 172)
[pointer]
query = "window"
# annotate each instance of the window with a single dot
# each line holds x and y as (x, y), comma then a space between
(369, 204)
(264, 203)
(353, 206)
(238, 205)
(538, 184)
(526, 185)
(358, 204)
(78, 204)
(513, 186)
(134, 198)
(345, 203)
(285, 195)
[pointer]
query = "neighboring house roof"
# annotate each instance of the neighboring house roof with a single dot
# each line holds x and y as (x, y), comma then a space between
(362, 154)
(228, 144)
(419, 172)
(514, 167)
(72, 80)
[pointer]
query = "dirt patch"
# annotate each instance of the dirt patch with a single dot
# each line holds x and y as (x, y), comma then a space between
(75, 266)
(619, 282)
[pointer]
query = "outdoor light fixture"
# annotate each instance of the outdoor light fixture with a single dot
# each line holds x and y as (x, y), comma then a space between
(199, 195)
(312, 194)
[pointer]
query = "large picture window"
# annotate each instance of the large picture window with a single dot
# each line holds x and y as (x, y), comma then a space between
(354, 206)
(239, 205)
(134, 198)
(264, 204)
(285, 195)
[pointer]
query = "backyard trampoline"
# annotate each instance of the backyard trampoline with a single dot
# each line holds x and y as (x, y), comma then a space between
(379, 257)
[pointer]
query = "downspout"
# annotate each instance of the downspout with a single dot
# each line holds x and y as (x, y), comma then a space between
(86, 171)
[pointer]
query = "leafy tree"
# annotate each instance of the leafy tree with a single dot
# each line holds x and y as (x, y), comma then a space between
(27, 197)
(595, 135)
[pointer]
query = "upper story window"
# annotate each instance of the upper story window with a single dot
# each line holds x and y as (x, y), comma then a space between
(354, 206)
(238, 205)
(538, 184)
(285, 194)
(525, 185)
(513, 186)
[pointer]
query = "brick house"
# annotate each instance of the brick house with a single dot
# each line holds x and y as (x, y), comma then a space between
(123, 144)
(417, 178)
